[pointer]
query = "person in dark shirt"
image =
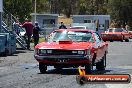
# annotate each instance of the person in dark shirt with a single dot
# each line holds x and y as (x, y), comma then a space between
(36, 31)
(62, 26)
(16, 28)
(29, 30)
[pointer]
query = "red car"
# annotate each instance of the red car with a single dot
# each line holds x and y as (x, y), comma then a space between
(72, 48)
(130, 33)
(116, 34)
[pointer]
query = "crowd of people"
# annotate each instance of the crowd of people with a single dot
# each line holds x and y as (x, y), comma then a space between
(32, 31)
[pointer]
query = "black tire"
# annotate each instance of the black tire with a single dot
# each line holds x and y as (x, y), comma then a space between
(93, 60)
(111, 40)
(122, 39)
(105, 59)
(88, 68)
(100, 66)
(42, 68)
(126, 40)
(82, 80)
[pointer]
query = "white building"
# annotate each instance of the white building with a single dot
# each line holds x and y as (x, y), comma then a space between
(101, 21)
(47, 22)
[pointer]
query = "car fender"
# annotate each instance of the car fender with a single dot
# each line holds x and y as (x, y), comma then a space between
(105, 50)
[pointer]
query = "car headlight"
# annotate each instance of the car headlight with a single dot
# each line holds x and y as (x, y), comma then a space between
(103, 35)
(80, 52)
(74, 51)
(42, 51)
(49, 51)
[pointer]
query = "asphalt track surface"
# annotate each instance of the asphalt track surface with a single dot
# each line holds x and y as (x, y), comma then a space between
(21, 70)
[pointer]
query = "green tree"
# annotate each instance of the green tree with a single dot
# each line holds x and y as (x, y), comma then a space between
(120, 11)
(82, 7)
(65, 7)
(93, 7)
(19, 8)
(42, 6)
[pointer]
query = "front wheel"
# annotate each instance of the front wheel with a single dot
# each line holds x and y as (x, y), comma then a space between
(88, 68)
(122, 39)
(42, 68)
(126, 40)
(111, 40)
(102, 64)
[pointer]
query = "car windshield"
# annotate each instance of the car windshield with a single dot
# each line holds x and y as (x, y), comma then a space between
(115, 30)
(72, 36)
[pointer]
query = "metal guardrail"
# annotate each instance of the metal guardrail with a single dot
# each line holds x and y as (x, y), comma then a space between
(8, 21)
(19, 39)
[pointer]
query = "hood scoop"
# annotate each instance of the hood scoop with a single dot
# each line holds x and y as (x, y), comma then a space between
(65, 42)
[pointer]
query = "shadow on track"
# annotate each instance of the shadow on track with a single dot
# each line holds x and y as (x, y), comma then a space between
(71, 71)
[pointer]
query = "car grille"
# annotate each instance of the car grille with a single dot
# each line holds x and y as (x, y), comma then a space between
(62, 52)
(114, 34)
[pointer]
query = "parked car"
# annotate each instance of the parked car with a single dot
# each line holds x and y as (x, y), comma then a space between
(72, 48)
(130, 33)
(22, 31)
(116, 34)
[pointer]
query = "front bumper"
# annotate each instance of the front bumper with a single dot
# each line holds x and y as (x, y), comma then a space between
(63, 59)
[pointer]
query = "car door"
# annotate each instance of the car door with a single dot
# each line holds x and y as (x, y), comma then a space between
(99, 47)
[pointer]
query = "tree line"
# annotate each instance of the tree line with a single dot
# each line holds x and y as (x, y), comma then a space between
(119, 10)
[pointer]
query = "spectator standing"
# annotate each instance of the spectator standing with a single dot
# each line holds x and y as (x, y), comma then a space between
(62, 26)
(29, 30)
(36, 31)
(16, 28)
